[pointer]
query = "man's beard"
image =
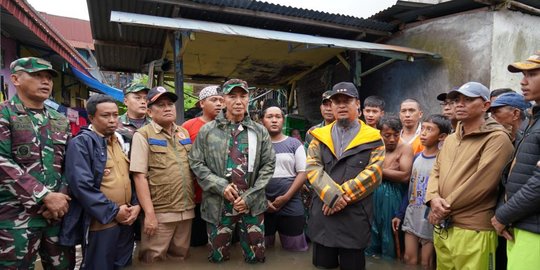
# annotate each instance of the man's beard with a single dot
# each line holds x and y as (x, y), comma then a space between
(344, 122)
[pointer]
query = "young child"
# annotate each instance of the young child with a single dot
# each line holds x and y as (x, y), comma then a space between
(373, 110)
(415, 224)
(388, 196)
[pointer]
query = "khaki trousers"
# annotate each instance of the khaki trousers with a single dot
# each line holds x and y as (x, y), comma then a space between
(171, 241)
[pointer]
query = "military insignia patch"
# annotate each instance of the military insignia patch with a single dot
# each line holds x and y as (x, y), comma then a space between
(23, 151)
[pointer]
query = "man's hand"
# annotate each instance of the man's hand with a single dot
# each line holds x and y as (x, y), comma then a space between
(341, 203)
(230, 193)
(280, 201)
(501, 229)
(133, 214)
(440, 209)
(123, 214)
(57, 204)
(47, 214)
(240, 205)
(150, 224)
(395, 224)
(327, 211)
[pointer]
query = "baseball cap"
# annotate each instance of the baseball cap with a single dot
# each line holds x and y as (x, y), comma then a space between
(443, 96)
(326, 95)
(345, 88)
(229, 85)
(471, 89)
(209, 91)
(515, 100)
(157, 92)
(135, 87)
(533, 62)
(31, 65)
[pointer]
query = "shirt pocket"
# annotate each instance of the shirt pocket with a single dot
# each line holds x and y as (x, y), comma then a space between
(158, 157)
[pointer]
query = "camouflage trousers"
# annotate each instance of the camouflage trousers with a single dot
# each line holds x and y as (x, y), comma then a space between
(19, 249)
(251, 236)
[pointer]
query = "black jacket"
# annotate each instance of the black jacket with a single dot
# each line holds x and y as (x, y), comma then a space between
(85, 163)
(522, 207)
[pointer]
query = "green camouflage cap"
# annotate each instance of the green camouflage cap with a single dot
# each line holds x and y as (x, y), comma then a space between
(135, 87)
(31, 65)
(229, 85)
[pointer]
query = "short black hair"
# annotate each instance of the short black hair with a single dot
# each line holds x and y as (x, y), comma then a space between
(444, 125)
(270, 103)
(94, 100)
(412, 100)
(374, 101)
(500, 91)
(390, 120)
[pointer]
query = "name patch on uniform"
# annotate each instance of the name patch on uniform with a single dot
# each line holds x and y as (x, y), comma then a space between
(152, 141)
(185, 141)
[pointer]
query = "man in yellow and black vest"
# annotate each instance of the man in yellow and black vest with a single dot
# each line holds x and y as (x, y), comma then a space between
(163, 180)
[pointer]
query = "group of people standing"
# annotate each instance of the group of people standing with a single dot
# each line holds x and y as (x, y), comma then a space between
(451, 182)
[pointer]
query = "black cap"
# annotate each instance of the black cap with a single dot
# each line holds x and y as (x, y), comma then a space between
(345, 88)
(326, 95)
(159, 91)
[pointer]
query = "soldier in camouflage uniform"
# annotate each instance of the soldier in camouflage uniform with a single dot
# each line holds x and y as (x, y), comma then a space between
(33, 196)
(135, 116)
(233, 159)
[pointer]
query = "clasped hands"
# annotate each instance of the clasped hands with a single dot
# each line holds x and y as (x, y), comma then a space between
(231, 194)
(340, 204)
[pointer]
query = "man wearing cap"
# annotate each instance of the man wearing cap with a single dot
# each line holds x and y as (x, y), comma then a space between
(327, 114)
(447, 106)
(233, 159)
(462, 187)
(517, 219)
(135, 116)
(33, 198)
(344, 166)
(509, 110)
(103, 207)
(211, 102)
(163, 180)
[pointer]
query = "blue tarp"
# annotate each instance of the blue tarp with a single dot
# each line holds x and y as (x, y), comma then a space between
(95, 84)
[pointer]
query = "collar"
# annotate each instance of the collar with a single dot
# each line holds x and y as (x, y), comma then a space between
(21, 109)
(366, 134)
(124, 119)
(158, 129)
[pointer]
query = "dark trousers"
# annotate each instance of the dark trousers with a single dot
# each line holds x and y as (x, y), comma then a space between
(199, 236)
(346, 259)
(111, 248)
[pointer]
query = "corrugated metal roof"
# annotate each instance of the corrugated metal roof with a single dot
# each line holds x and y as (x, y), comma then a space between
(404, 12)
(298, 12)
(122, 47)
(76, 31)
(38, 26)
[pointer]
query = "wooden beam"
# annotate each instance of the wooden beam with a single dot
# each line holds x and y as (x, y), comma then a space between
(271, 16)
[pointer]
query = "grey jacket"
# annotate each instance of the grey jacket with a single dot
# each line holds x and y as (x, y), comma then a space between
(523, 182)
(208, 160)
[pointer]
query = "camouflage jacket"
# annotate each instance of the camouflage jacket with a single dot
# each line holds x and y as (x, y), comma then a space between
(208, 159)
(32, 147)
(127, 129)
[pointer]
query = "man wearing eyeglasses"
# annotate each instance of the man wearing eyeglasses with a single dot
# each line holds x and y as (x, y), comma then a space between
(447, 108)
(163, 180)
(462, 187)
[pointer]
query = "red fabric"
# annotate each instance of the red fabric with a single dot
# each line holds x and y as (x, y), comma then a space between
(76, 127)
(193, 126)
